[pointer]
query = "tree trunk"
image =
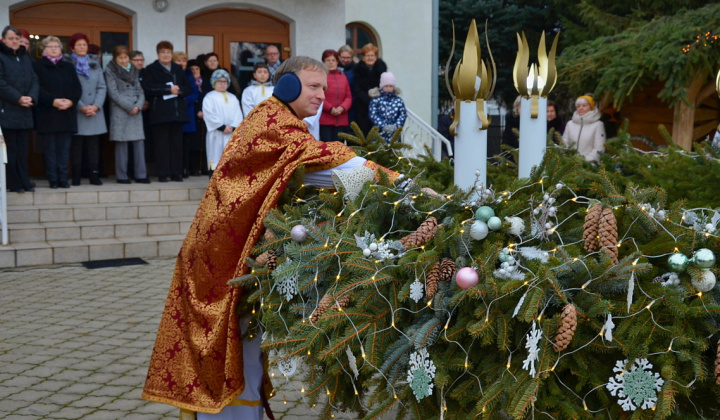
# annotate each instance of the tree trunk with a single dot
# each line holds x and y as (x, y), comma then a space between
(684, 121)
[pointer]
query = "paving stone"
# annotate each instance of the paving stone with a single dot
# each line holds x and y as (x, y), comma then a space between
(52, 385)
(92, 401)
(29, 395)
(43, 371)
(71, 413)
(81, 388)
(85, 197)
(11, 406)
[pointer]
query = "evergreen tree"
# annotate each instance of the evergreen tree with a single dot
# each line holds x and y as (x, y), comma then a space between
(583, 284)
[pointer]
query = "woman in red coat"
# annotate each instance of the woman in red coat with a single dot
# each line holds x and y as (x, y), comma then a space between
(338, 99)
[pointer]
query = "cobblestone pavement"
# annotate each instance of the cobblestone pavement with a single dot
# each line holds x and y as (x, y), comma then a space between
(75, 344)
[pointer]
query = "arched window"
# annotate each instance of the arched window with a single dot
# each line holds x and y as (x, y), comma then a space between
(357, 35)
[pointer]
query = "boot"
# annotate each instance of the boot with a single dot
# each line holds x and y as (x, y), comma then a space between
(95, 178)
(76, 174)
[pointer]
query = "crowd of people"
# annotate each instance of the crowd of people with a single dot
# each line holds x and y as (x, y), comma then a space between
(186, 109)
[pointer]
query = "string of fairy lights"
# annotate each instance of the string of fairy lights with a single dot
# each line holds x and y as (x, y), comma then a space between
(487, 196)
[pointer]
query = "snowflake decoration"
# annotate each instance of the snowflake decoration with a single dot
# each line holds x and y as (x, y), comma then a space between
(636, 387)
(421, 374)
(288, 287)
(533, 337)
(287, 366)
(416, 290)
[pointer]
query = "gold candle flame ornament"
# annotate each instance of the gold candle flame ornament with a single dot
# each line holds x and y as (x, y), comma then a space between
(536, 80)
(474, 79)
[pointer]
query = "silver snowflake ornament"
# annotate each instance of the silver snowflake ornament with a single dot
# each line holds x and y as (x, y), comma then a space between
(421, 374)
(637, 387)
(533, 338)
(416, 290)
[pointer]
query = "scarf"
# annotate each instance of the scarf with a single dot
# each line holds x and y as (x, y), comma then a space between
(82, 65)
(127, 67)
(198, 84)
(53, 60)
(122, 73)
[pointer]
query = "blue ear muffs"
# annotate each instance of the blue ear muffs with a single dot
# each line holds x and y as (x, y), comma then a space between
(288, 88)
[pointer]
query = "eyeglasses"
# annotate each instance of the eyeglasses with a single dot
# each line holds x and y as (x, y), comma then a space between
(53, 46)
(138, 59)
(222, 82)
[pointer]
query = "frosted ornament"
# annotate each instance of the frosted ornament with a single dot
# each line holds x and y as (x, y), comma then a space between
(367, 252)
(352, 362)
(637, 387)
(466, 278)
(287, 366)
(517, 225)
(706, 282)
(494, 223)
(484, 213)
(703, 258)
(373, 247)
(479, 230)
(421, 374)
(504, 255)
(299, 233)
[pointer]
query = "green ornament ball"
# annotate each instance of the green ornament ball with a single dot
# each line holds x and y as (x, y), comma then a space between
(484, 214)
(703, 258)
(504, 255)
(678, 262)
(494, 223)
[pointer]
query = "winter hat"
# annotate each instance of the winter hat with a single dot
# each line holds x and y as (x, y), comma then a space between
(386, 79)
(217, 74)
(589, 100)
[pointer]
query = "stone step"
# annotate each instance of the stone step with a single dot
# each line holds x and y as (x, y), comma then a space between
(98, 229)
(76, 251)
(47, 213)
(139, 193)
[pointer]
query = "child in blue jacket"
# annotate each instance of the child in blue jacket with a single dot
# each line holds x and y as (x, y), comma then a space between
(387, 110)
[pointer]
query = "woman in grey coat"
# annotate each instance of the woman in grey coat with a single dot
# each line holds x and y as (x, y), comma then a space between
(90, 115)
(126, 124)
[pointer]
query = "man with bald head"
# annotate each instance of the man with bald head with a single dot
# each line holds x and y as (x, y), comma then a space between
(272, 58)
(201, 362)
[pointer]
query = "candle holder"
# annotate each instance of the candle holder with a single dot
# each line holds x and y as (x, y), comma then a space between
(473, 83)
(533, 83)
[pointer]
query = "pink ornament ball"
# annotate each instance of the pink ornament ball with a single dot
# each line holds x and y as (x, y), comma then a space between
(466, 278)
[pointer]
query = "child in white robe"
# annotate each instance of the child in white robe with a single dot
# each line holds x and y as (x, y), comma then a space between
(222, 114)
(258, 90)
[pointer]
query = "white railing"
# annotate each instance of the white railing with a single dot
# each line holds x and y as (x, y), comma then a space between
(418, 134)
(3, 191)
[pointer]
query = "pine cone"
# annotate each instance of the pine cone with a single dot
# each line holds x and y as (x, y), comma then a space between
(269, 235)
(424, 233)
(447, 269)
(325, 304)
(272, 260)
(567, 328)
(263, 259)
(607, 230)
(591, 226)
(717, 365)
(431, 280)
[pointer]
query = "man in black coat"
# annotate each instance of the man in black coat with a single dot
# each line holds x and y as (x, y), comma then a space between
(166, 86)
(18, 93)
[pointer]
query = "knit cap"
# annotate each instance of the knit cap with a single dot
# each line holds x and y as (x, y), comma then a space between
(217, 74)
(386, 79)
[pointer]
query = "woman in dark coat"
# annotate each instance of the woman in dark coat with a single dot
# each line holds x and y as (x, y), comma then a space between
(18, 93)
(367, 76)
(60, 91)
(166, 87)
(90, 115)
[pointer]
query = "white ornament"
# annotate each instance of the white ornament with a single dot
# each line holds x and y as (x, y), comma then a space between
(631, 290)
(559, 185)
(421, 374)
(416, 291)
(670, 279)
(352, 362)
(288, 287)
(373, 247)
(299, 233)
(706, 282)
(366, 252)
(637, 387)
(519, 305)
(517, 225)
(607, 329)
(479, 230)
(533, 338)
(534, 253)
(287, 366)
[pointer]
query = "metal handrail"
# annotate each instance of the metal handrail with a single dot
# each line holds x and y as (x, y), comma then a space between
(3, 191)
(417, 133)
